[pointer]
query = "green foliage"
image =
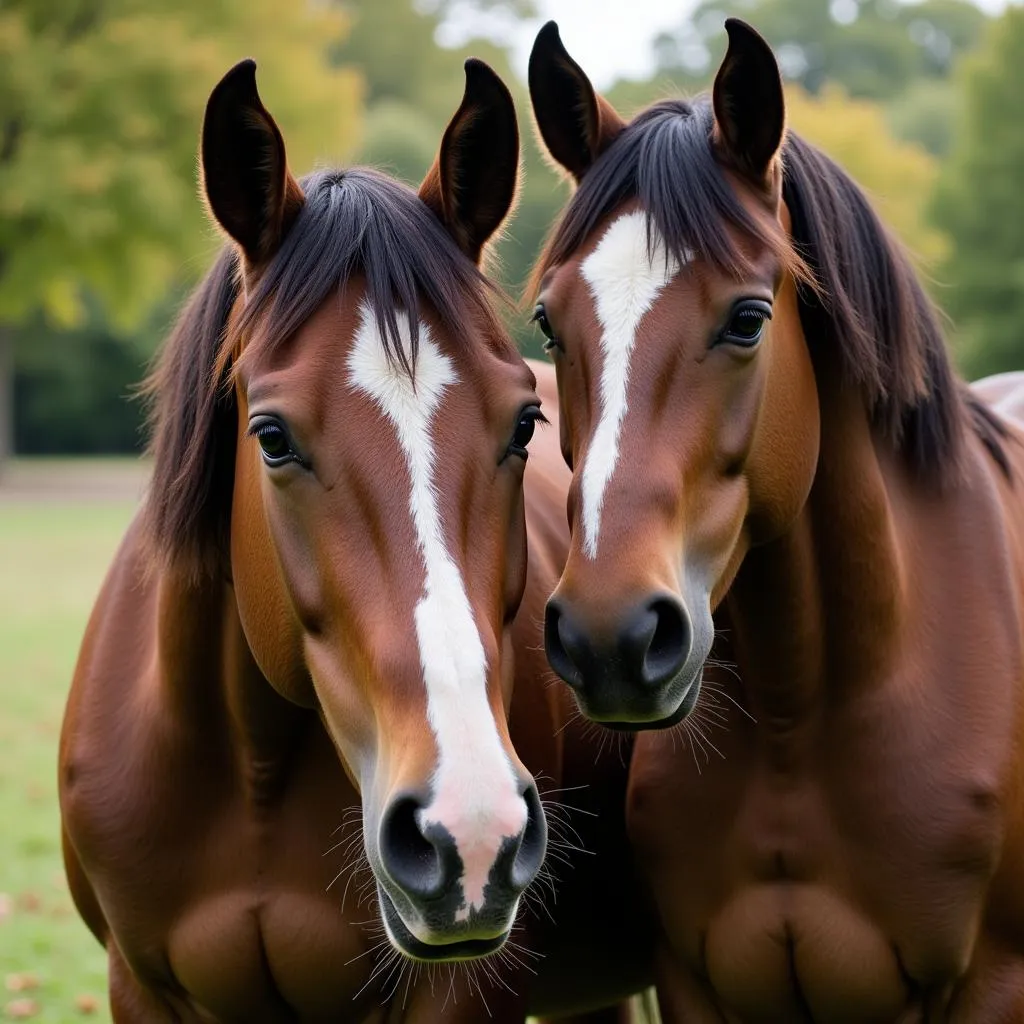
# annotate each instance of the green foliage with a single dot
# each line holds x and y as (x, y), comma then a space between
(925, 113)
(398, 139)
(391, 42)
(414, 87)
(76, 388)
(898, 176)
(980, 203)
(873, 48)
(100, 111)
(100, 108)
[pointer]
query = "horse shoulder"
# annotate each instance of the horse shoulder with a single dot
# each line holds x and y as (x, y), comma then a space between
(117, 769)
(114, 660)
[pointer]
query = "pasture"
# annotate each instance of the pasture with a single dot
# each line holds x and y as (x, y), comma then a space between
(59, 525)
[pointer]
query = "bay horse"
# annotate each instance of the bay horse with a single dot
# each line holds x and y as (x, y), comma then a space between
(791, 519)
(312, 616)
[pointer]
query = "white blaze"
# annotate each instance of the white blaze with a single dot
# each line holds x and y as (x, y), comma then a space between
(625, 279)
(475, 791)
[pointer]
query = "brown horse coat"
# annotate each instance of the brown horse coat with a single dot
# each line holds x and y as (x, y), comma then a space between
(835, 831)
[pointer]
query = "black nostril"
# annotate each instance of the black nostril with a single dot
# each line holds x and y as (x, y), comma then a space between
(563, 644)
(670, 645)
(657, 641)
(534, 843)
(422, 864)
(521, 856)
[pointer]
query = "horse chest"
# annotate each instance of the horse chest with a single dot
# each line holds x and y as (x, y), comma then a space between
(290, 955)
(842, 886)
(232, 907)
(258, 924)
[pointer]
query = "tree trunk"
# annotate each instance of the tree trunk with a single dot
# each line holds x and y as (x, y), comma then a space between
(6, 395)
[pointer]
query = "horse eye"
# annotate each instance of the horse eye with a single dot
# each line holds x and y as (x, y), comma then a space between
(540, 318)
(525, 427)
(274, 443)
(746, 325)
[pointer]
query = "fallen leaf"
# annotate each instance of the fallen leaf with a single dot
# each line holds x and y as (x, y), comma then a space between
(21, 982)
(22, 1009)
(86, 1004)
(5, 905)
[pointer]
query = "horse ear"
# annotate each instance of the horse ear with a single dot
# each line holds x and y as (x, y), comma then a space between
(576, 124)
(472, 183)
(245, 173)
(750, 109)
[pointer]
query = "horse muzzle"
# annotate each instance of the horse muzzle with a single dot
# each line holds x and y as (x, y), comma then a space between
(438, 899)
(640, 671)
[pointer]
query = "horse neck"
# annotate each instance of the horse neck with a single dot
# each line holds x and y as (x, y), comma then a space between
(216, 691)
(817, 612)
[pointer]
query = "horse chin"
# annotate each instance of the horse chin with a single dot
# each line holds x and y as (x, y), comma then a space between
(427, 952)
(686, 705)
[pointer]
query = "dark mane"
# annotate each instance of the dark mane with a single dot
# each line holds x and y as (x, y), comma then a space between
(858, 289)
(353, 222)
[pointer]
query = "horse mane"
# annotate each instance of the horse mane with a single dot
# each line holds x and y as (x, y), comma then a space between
(857, 288)
(352, 222)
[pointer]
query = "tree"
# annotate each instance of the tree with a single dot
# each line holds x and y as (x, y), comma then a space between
(925, 113)
(873, 48)
(412, 85)
(980, 203)
(899, 177)
(100, 109)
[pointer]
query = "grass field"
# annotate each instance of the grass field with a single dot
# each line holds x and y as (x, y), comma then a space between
(59, 526)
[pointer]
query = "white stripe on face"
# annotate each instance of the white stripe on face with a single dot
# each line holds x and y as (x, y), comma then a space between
(625, 278)
(475, 793)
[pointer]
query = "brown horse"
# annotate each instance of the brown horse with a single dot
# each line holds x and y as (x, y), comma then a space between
(313, 612)
(772, 454)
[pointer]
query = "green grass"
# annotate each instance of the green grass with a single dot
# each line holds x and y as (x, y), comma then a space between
(53, 555)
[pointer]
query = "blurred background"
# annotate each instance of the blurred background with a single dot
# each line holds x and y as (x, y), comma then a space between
(101, 102)
(102, 235)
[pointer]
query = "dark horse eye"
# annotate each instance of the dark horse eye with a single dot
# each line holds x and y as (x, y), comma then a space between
(273, 440)
(524, 431)
(540, 318)
(746, 323)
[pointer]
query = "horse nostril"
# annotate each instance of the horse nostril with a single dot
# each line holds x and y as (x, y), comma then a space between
(563, 644)
(658, 641)
(421, 864)
(533, 846)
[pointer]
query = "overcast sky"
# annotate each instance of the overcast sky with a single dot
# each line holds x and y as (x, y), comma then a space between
(609, 39)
